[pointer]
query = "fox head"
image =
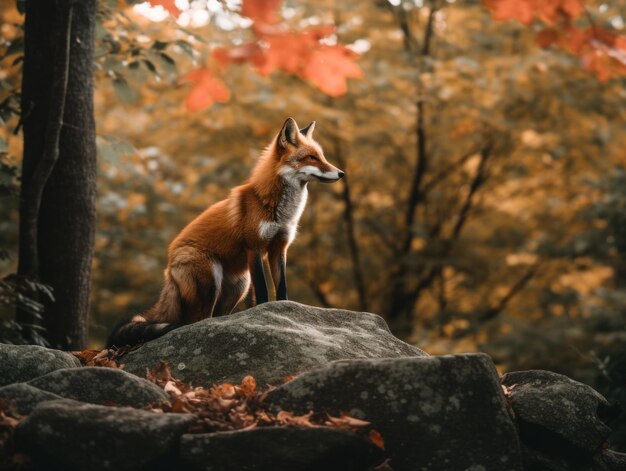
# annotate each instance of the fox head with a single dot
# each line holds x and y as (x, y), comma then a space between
(301, 159)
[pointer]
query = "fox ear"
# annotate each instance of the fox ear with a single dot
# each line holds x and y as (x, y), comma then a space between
(308, 131)
(288, 134)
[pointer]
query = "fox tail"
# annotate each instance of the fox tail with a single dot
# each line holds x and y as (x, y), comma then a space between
(163, 317)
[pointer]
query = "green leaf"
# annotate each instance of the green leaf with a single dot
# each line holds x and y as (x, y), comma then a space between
(168, 63)
(124, 92)
(151, 67)
(193, 35)
(159, 45)
(186, 47)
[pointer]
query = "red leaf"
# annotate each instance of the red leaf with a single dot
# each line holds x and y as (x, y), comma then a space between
(573, 8)
(377, 439)
(288, 52)
(599, 64)
(206, 90)
(520, 10)
(168, 5)
(576, 39)
(251, 52)
(263, 11)
(546, 37)
(329, 67)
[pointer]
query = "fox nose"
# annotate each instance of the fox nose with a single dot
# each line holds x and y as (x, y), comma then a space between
(341, 174)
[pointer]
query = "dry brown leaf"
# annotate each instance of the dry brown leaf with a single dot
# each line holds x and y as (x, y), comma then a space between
(377, 439)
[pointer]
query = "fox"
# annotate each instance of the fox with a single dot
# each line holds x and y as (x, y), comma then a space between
(213, 261)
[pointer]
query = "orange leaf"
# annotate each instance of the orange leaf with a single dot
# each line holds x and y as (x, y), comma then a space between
(546, 37)
(206, 90)
(251, 52)
(288, 52)
(573, 8)
(248, 386)
(377, 439)
(263, 11)
(599, 64)
(168, 5)
(520, 10)
(329, 67)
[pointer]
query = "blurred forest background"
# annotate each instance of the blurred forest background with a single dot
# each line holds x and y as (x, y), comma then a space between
(485, 201)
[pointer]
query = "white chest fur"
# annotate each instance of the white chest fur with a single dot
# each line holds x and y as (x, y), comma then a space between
(288, 213)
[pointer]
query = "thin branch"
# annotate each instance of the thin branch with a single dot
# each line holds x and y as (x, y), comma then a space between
(518, 286)
(348, 215)
(399, 298)
(464, 211)
(319, 294)
(477, 182)
(446, 171)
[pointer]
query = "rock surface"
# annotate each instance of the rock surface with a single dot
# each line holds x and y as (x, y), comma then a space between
(19, 363)
(434, 413)
(25, 397)
(272, 449)
(555, 411)
(269, 342)
(72, 436)
(101, 386)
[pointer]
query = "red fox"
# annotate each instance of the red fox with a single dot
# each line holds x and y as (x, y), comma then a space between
(211, 262)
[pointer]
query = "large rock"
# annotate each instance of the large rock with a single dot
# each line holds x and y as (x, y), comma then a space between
(24, 398)
(72, 436)
(19, 363)
(269, 342)
(556, 412)
(434, 413)
(101, 386)
(274, 448)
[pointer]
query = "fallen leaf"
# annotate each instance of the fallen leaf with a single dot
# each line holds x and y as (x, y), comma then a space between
(377, 439)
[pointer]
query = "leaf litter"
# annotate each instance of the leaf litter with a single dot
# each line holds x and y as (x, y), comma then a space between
(222, 407)
(227, 407)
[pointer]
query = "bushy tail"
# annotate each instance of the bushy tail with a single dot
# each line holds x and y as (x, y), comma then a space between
(130, 332)
(164, 316)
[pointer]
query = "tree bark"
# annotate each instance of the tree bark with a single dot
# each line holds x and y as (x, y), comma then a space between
(65, 222)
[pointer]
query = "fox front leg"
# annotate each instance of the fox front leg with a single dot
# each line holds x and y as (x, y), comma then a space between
(258, 279)
(277, 254)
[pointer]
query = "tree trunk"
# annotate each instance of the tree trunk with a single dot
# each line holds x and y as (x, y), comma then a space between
(66, 218)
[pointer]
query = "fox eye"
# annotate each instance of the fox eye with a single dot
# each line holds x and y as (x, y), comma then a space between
(311, 157)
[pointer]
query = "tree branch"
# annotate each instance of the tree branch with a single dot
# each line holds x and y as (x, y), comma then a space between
(348, 215)
(476, 183)
(399, 288)
(518, 286)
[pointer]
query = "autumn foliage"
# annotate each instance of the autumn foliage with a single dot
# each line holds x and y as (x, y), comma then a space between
(601, 51)
(306, 54)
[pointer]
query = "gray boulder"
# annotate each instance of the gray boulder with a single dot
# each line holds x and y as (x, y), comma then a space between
(269, 342)
(73, 436)
(25, 397)
(273, 448)
(98, 385)
(612, 460)
(434, 413)
(19, 363)
(552, 458)
(556, 412)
